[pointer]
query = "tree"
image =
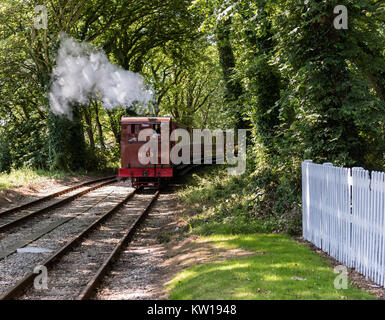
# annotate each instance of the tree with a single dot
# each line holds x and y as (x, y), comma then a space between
(187, 87)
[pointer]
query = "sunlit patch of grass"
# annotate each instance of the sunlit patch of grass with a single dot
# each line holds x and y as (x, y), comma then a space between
(186, 275)
(264, 276)
(24, 176)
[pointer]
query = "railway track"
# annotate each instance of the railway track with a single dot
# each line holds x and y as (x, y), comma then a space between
(53, 195)
(18, 215)
(75, 270)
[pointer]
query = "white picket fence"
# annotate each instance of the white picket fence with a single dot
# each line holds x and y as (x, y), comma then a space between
(343, 213)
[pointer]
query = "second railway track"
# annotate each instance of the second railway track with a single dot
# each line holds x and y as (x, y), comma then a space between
(75, 270)
(52, 195)
(18, 215)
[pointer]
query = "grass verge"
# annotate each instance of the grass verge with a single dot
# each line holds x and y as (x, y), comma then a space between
(234, 212)
(268, 275)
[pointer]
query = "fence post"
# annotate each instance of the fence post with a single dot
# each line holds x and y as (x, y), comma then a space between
(326, 225)
(357, 219)
(305, 199)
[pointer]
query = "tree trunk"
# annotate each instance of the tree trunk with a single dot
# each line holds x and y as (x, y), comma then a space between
(99, 127)
(227, 62)
(115, 128)
(88, 119)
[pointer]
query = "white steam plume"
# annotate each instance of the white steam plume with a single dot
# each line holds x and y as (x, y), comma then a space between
(82, 73)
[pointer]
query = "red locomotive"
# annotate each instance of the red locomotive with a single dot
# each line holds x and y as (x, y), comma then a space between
(149, 175)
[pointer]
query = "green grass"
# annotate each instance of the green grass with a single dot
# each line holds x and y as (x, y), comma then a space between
(24, 176)
(264, 276)
(223, 211)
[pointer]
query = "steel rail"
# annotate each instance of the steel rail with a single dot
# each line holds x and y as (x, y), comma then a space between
(27, 281)
(93, 283)
(17, 221)
(52, 195)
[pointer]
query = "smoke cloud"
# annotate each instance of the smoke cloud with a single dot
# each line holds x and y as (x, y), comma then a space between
(83, 72)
